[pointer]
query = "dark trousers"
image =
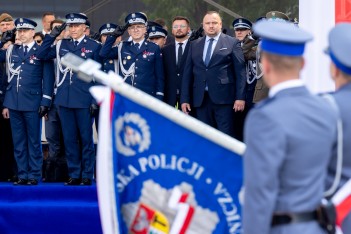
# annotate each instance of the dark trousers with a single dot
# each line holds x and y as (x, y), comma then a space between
(26, 132)
(76, 126)
(8, 167)
(53, 134)
(215, 115)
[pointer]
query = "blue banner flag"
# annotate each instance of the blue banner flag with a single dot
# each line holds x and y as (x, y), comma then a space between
(161, 171)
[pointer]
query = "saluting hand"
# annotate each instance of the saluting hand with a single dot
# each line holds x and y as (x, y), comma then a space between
(57, 30)
(120, 30)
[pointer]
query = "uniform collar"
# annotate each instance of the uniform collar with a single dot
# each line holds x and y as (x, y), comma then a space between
(140, 42)
(79, 39)
(284, 85)
(30, 45)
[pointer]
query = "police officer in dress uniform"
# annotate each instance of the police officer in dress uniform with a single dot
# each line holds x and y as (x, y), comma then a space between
(289, 137)
(157, 35)
(340, 69)
(242, 32)
(140, 61)
(75, 104)
(105, 30)
(30, 89)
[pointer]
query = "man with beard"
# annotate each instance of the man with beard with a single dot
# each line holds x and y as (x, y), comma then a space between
(174, 56)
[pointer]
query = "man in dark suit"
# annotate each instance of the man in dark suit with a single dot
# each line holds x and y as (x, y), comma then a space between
(174, 56)
(215, 76)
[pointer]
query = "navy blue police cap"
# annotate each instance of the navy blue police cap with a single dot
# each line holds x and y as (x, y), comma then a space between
(136, 18)
(242, 23)
(76, 18)
(339, 46)
(24, 23)
(281, 38)
(107, 28)
(156, 31)
(153, 23)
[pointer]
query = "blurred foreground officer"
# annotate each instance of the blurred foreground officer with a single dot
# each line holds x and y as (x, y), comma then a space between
(31, 84)
(289, 137)
(340, 69)
(157, 35)
(140, 61)
(75, 104)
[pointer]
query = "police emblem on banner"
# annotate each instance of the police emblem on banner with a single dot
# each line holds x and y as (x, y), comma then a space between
(166, 184)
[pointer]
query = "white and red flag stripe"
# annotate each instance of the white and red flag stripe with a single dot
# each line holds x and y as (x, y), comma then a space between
(318, 17)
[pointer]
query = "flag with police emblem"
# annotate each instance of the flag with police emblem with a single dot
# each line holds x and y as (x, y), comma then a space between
(160, 171)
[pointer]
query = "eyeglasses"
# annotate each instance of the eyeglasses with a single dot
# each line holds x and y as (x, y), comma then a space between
(136, 27)
(179, 26)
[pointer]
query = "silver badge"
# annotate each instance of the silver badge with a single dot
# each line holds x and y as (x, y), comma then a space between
(144, 55)
(31, 61)
(82, 54)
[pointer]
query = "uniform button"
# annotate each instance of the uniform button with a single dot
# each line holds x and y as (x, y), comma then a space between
(178, 74)
(134, 83)
(136, 67)
(136, 60)
(22, 62)
(206, 69)
(21, 70)
(136, 75)
(19, 85)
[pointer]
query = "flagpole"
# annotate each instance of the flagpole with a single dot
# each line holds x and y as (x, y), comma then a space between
(89, 69)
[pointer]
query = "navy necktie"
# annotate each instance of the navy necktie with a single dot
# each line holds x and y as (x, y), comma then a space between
(208, 52)
(25, 50)
(137, 46)
(180, 53)
(76, 43)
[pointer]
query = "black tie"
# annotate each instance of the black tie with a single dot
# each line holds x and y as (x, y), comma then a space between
(180, 53)
(137, 46)
(76, 43)
(208, 52)
(25, 50)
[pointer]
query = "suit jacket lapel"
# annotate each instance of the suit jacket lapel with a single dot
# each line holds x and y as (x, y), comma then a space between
(199, 52)
(185, 53)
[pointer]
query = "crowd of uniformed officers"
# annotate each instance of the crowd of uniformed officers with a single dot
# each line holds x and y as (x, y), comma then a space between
(214, 77)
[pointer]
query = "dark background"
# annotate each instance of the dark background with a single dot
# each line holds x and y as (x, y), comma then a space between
(103, 11)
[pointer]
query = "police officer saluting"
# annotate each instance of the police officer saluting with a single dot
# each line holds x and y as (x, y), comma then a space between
(289, 137)
(105, 30)
(75, 104)
(31, 84)
(140, 61)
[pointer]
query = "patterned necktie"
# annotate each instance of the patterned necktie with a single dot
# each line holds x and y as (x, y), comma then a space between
(180, 53)
(25, 50)
(208, 52)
